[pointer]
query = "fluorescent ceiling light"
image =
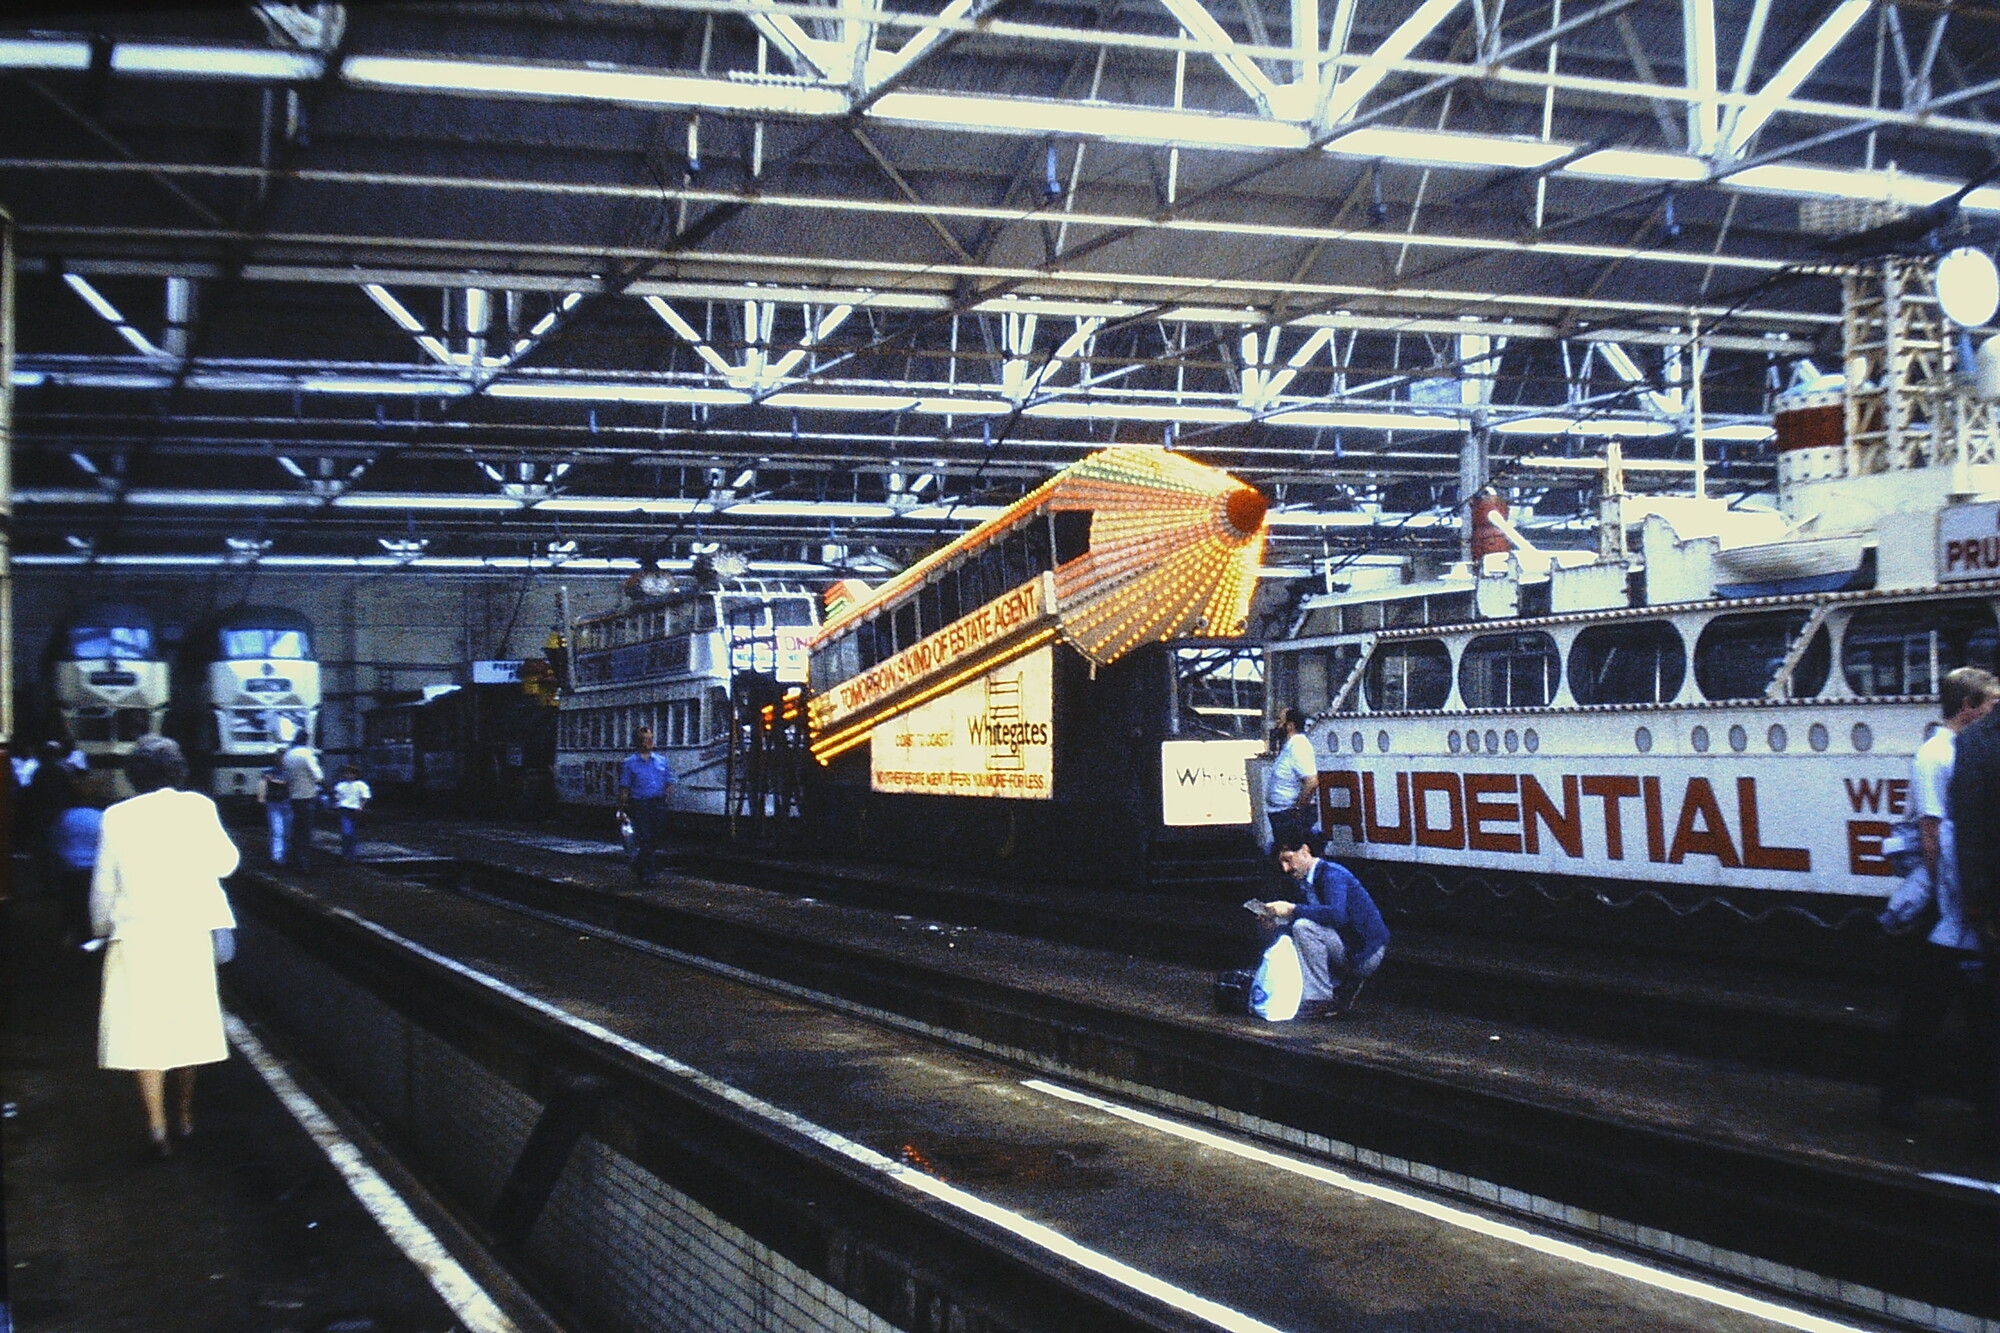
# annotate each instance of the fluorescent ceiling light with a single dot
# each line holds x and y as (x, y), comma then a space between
(964, 407)
(1457, 150)
(806, 509)
(28, 379)
(619, 393)
(1634, 165)
(1551, 463)
(378, 500)
(1623, 427)
(93, 298)
(222, 499)
(843, 402)
(421, 388)
(956, 513)
(1793, 178)
(603, 85)
(1368, 420)
(106, 380)
(579, 504)
(215, 62)
(1303, 518)
(1751, 433)
(37, 53)
(1102, 411)
(1088, 120)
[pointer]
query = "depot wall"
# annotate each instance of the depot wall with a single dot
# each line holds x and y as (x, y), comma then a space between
(377, 632)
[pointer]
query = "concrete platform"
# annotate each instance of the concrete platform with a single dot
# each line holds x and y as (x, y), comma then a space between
(248, 1226)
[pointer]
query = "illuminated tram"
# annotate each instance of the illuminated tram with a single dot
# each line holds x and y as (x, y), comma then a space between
(668, 661)
(254, 678)
(1012, 702)
(107, 680)
(1717, 707)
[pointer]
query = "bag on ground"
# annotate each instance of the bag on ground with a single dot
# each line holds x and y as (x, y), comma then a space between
(1280, 983)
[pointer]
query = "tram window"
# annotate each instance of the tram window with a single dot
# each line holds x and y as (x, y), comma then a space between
(947, 591)
(1906, 648)
(932, 607)
(1324, 620)
(1410, 676)
(1450, 608)
(791, 611)
(1317, 674)
(903, 625)
(1403, 613)
(1737, 657)
(89, 642)
(1072, 534)
(240, 645)
(133, 723)
(1509, 671)
(91, 724)
(1635, 662)
(1360, 617)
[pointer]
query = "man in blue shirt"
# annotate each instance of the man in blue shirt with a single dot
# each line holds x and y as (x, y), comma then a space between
(1338, 930)
(643, 780)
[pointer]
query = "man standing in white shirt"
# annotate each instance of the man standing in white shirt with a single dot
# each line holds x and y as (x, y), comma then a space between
(303, 777)
(1941, 970)
(1294, 777)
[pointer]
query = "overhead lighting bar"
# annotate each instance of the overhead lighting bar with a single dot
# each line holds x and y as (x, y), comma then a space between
(619, 393)
(1111, 411)
(43, 53)
(806, 509)
(614, 504)
(1552, 463)
(885, 402)
(1366, 420)
(1746, 433)
(1800, 179)
(1621, 427)
(1087, 119)
(261, 64)
(1445, 149)
(1631, 164)
(413, 387)
(627, 87)
(379, 500)
(1304, 518)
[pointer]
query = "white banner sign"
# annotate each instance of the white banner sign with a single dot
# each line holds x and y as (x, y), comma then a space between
(1969, 542)
(1204, 782)
(989, 737)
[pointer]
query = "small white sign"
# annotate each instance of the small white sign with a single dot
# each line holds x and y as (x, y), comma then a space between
(1204, 782)
(496, 673)
(1969, 542)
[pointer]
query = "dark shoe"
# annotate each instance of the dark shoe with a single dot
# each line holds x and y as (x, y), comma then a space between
(1901, 1117)
(1316, 1009)
(1344, 998)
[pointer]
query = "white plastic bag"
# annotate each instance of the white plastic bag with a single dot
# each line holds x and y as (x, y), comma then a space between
(628, 836)
(1280, 984)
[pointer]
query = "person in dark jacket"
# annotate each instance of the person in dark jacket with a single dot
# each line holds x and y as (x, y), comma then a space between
(1338, 930)
(1974, 801)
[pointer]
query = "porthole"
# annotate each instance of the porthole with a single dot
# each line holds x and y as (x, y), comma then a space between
(1532, 739)
(1816, 736)
(1739, 739)
(1698, 738)
(1382, 742)
(1333, 742)
(1492, 741)
(1513, 739)
(1471, 741)
(1863, 737)
(1457, 742)
(1643, 738)
(1777, 737)
(1355, 743)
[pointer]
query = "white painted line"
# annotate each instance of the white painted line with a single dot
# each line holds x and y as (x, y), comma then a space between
(1459, 1217)
(1036, 1233)
(467, 1299)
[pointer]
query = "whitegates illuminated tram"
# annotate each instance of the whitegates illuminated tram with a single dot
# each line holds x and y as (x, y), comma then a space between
(1024, 664)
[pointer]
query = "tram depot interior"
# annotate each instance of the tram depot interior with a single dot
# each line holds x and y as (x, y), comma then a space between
(1614, 385)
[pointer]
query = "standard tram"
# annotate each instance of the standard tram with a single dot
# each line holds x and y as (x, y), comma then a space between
(251, 677)
(1716, 709)
(670, 661)
(107, 680)
(485, 748)
(1056, 692)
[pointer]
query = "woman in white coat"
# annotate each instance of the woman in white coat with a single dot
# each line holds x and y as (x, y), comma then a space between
(156, 897)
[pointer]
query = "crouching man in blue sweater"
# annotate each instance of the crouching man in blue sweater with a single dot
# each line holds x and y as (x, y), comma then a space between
(1338, 931)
